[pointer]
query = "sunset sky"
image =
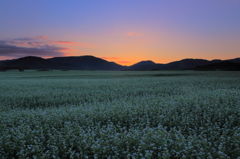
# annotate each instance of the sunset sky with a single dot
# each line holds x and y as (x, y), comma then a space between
(123, 31)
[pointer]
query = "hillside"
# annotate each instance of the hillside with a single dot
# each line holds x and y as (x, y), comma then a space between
(143, 65)
(184, 64)
(61, 63)
(223, 66)
(94, 63)
(87, 63)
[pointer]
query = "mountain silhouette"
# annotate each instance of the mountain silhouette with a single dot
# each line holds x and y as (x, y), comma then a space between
(236, 60)
(223, 65)
(187, 64)
(184, 64)
(143, 65)
(61, 63)
(87, 63)
(32, 62)
(93, 63)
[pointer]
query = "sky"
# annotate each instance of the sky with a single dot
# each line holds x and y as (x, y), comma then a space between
(122, 31)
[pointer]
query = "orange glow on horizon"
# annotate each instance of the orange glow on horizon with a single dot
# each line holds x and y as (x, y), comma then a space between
(67, 54)
(126, 63)
(109, 58)
(117, 60)
(128, 48)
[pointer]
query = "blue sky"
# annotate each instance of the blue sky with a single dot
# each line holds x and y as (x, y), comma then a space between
(123, 31)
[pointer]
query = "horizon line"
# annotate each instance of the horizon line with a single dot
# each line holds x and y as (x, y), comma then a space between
(118, 63)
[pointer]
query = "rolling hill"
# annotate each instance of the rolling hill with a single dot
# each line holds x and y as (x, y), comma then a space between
(94, 63)
(223, 65)
(61, 63)
(184, 64)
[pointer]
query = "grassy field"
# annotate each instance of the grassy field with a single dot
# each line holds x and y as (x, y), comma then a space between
(94, 114)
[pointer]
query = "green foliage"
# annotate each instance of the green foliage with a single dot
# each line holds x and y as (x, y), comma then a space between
(80, 114)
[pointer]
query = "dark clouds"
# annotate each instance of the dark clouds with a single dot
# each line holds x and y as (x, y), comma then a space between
(31, 38)
(17, 43)
(8, 49)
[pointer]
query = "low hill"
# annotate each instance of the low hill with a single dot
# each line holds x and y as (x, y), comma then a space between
(143, 65)
(87, 63)
(32, 62)
(223, 66)
(236, 60)
(182, 64)
(64, 63)
(186, 64)
(179, 65)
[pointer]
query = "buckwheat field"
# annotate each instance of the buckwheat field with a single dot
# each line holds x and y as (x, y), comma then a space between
(112, 115)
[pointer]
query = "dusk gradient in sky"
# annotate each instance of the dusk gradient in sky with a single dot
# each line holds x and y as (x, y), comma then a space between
(123, 31)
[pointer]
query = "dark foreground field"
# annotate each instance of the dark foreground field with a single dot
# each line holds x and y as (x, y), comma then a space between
(124, 114)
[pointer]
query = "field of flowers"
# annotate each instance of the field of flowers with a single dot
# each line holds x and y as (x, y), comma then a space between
(95, 115)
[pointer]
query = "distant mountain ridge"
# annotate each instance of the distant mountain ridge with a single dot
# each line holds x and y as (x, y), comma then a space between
(223, 65)
(88, 62)
(185, 64)
(61, 63)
